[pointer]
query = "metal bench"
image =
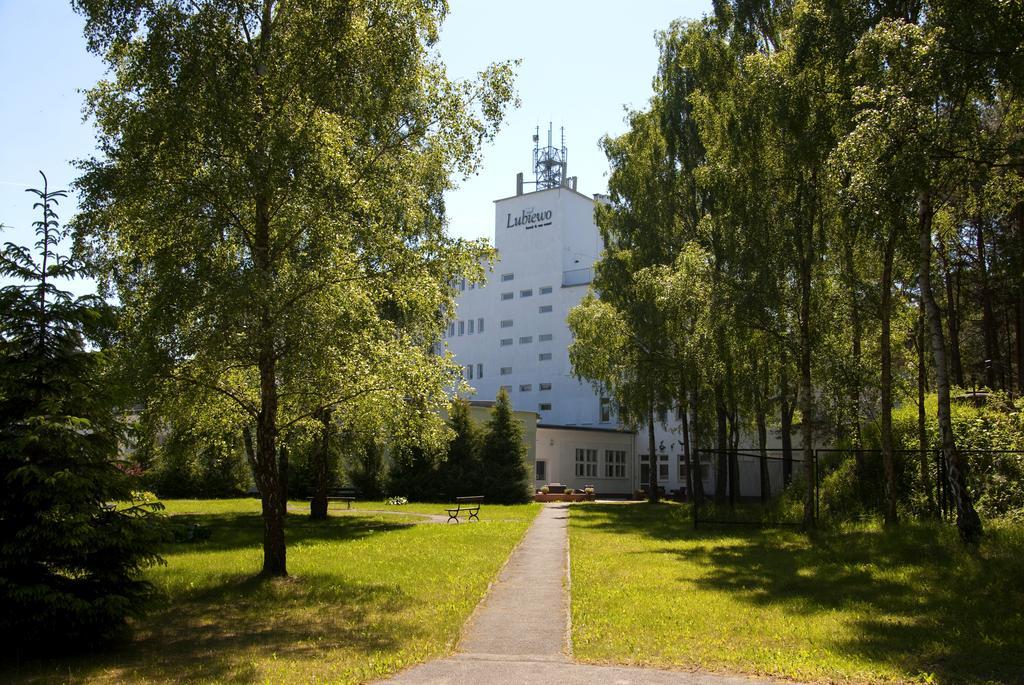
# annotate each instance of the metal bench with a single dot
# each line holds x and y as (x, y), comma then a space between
(467, 505)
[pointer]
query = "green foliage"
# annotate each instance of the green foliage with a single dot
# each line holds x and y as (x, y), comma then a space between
(365, 468)
(507, 479)
(462, 472)
(413, 473)
(75, 532)
(187, 463)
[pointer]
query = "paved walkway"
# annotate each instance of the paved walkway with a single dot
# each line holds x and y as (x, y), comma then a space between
(519, 633)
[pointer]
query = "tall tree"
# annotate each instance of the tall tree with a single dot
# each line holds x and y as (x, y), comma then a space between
(74, 532)
(507, 478)
(267, 204)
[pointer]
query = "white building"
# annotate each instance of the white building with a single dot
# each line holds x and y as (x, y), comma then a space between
(512, 333)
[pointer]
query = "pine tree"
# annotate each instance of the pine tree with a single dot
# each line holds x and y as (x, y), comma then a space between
(503, 453)
(460, 474)
(74, 535)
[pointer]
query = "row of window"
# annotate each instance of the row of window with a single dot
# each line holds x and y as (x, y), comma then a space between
(468, 373)
(663, 465)
(614, 463)
(469, 326)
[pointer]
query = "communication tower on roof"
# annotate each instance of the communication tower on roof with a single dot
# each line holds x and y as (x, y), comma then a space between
(550, 165)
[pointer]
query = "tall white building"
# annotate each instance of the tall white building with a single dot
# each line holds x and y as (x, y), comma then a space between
(512, 333)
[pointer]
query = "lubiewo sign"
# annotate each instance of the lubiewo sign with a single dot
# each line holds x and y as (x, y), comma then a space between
(529, 219)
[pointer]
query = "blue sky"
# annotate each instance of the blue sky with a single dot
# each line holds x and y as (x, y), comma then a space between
(582, 63)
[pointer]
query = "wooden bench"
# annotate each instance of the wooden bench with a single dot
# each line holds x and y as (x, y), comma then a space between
(347, 495)
(468, 505)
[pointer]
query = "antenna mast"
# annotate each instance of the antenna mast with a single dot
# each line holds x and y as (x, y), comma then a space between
(550, 164)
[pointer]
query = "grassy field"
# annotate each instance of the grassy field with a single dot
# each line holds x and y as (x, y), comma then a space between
(853, 605)
(369, 594)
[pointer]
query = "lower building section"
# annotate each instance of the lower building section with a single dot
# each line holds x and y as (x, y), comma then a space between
(576, 457)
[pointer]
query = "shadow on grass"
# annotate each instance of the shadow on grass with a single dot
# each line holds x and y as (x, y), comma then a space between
(229, 531)
(224, 632)
(914, 595)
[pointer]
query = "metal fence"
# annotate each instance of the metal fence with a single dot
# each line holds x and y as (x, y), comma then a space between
(746, 487)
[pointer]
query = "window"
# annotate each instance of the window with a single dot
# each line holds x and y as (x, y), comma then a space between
(462, 327)
(462, 284)
(506, 388)
(606, 410)
(451, 330)
(545, 356)
(469, 372)
(544, 337)
(586, 463)
(471, 322)
(506, 371)
(480, 325)
(542, 470)
(545, 386)
(506, 296)
(507, 277)
(546, 309)
(698, 469)
(545, 290)
(544, 406)
(662, 415)
(506, 341)
(679, 412)
(526, 293)
(479, 370)
(614, 463)
(506, 323)
(525, 339)
(525, 387)
(662, 468)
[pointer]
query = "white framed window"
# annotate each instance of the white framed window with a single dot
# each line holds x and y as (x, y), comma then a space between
(507, 388)
(545, 290)
(479, 370)
(544, 357)
(545, 337)
(645, 468)
(506, 323)
(507, 277)
(525, 339)
(506, 296)
(451, 330)
(544, 406)
(480, 325)
(506, 341)
(526, 387)
(606, 410)
(526, 293)
(469, 372)
(506, 371)
(471, 322)
(586, 463)
(615, 463)
(542, 470)
(545, 386)
(546, 309)
(462, 328)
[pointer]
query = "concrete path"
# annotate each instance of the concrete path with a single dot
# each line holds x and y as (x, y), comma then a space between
(519, 633)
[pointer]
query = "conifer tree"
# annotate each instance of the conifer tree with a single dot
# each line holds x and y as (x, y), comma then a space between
(73, 534)
(503, 453)
(460, 474)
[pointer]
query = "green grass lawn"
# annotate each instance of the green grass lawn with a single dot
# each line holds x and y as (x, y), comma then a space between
(857, 604)
(368, 595)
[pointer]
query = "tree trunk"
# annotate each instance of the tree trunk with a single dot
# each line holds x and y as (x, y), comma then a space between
(318, 506)
(786, 420)
(967, 520)
(734, 460)
(1020, 346)
(721, 448)
(888, 464)
(687, 459)
(922, 433)
(990, 333)
(652, 472)
(806, 388)
(698, 479)
(953, 317)
(856, 390)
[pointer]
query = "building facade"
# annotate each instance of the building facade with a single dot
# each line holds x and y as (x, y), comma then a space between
(512, 332)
